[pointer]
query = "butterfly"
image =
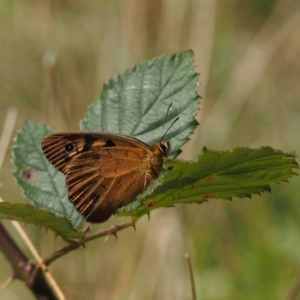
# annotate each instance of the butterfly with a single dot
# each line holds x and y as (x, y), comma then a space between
(104, 171)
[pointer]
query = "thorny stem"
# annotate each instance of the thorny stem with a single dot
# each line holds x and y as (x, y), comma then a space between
(75, 244)
(30, 273)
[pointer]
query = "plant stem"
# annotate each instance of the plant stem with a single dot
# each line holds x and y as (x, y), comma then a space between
(192, 280)
(23, 269)
(75, 244)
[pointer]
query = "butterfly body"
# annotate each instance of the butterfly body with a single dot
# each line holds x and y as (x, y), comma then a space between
(104, 171)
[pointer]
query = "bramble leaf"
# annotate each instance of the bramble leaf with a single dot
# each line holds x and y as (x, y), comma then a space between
(29, 214)
(241, 172)
(41, 183)
(136, 103)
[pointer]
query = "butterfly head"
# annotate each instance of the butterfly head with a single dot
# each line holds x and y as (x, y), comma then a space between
(164, 148)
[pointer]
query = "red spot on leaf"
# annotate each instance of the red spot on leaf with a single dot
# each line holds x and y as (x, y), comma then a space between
(170, 168)
(149, 203)
(207, 196)
(211, 178)
(29, 175)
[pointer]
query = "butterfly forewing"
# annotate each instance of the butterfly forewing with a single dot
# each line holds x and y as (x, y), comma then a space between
(60, 149)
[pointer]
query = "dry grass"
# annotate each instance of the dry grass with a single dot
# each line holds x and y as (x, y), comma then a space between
(55, 56)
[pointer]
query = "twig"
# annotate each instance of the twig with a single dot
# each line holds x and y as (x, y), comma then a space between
(78, 243)
(49, 278)
(15, 256)
(190, 269)
(6, 283)
(23, 268)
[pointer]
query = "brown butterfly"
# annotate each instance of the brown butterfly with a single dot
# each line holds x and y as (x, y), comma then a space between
(104, 171)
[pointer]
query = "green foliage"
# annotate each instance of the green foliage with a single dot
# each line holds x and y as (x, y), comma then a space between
(30, 214)
(41, 183)
(241, 172)
(136, 104)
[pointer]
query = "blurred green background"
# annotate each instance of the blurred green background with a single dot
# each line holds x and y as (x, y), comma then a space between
(54, 58)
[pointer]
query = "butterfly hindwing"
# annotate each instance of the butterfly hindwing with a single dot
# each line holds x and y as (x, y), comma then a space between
(98, 188)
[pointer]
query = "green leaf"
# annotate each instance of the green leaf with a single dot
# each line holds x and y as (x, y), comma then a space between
(136, 102)
(41, 183)
(29, 214)
(219, 175)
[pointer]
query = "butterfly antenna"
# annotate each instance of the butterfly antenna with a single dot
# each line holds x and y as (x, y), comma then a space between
(167, 113)
(162, 138)
(166, 117)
